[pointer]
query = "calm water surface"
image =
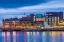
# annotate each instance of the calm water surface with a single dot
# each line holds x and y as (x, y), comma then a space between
(32, 36)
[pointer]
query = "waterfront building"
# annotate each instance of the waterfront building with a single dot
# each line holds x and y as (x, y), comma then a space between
(39, 17)
(11, 23)
(53, 18)
(27, 22)
(39, 20)
(59, 14)
(30, 21)
(39, 24)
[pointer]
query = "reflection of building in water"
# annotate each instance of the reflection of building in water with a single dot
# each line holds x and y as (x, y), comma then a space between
(54, 33)
(56, 36)
(48, 36)
(33, 37)
(8, 33)
(43, 37)
(24, 36)
(3, 33)
(37, 33)
(28, 36)
(34, 33)
(14, 36)
(62, 36)
(8, 36)
(4, 37)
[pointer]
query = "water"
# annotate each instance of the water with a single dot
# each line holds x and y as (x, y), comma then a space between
(32, 36)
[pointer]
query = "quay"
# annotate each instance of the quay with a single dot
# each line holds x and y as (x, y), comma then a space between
(28, 29)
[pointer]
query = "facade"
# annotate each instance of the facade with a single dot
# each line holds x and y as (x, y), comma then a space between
(30, 21)
(39, 24)
(11, 23)
(59, 14)
(53, 18)
(24, 22)
(39, 17)
(39, 20)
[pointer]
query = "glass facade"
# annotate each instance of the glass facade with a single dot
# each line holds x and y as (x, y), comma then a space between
(52, 21)
(39, 19)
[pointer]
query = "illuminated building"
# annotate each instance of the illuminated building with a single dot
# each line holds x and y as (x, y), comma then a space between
(59, 14)
(39, 20)
(27, 22)
(53, 18)
(10, 23)
(39, 17)
(30, 21)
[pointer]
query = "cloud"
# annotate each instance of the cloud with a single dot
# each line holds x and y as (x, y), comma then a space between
(52, 4)
(19, 3)
(43, 7)
(55, 5)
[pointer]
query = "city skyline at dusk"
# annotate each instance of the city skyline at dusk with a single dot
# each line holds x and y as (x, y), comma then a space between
(31, 20)
(12, 8)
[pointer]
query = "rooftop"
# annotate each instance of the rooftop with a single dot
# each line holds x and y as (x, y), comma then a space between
(10, 19)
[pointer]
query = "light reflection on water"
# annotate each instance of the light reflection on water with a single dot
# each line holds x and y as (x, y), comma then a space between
(54, 36)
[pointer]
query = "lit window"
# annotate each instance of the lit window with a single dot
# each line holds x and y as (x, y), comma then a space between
(50, 14)
(6, 23)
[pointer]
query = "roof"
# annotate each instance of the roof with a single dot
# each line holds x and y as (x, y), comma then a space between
(54, 12)
(11, 19)
(26, 19)
(39, 15)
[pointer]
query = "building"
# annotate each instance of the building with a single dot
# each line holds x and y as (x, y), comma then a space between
(11, 23)
(53, 18)
(27, 22)
(30, 21)
(39, 17)
(59, 14)
(39, 20)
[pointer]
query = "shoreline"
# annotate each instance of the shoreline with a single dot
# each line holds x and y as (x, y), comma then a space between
(28, 29)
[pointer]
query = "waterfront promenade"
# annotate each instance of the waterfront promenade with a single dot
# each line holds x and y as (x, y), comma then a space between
(28, 29)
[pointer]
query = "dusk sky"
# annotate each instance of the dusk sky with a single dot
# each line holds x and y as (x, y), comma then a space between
(12, 8)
